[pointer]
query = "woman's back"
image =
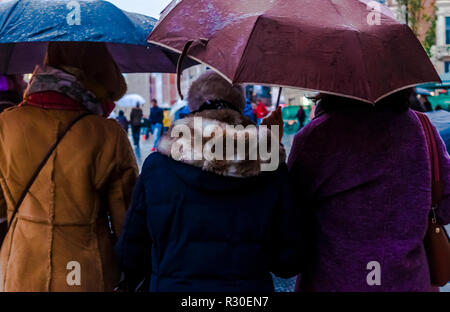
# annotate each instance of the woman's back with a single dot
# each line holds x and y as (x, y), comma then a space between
(215, 233)
(64, 217)
(365, 175)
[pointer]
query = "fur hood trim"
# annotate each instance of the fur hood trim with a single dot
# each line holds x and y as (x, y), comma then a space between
(205, 140)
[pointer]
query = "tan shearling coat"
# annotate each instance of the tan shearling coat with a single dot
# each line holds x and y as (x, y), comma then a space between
(75, 209)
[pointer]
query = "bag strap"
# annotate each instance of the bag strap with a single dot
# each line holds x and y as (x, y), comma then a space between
(42, 164)
(437, 187)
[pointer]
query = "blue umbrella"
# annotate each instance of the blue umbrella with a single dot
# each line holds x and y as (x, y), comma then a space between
(26, 26)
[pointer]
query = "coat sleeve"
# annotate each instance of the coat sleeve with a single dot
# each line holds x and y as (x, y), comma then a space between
(300, 182)
(443, 210)
(121, 182)
(287, 240)
(134, 246)
(3, 216)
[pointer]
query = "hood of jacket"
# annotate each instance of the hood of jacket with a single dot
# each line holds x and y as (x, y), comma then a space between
(201, 138)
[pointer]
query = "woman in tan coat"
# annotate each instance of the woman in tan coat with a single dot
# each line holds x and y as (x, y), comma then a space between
(63, 235)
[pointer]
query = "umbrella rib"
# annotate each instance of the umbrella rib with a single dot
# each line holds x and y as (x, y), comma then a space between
(166, 53)
(10, 13)
(310, 90)
(239, 68)
(334, 7)
(358, 34)
(400, 89)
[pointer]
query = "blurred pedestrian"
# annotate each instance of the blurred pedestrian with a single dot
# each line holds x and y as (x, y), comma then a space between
(123, 121)
(146, 127)
(62, 236)
(362, 172)
(301, 116)
(11, 91)
(261, 111)
(136, 124)
(415, 103)
(156, 122)
(226, 224)
(167, 122)
(426, 104)
(249, 111)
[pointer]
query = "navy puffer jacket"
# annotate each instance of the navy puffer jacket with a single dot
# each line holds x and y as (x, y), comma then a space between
(194, 230)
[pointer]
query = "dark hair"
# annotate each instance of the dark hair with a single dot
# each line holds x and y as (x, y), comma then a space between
(15, 89)
(396, 102)
(121, 113)
(11, 96)
(154, 101)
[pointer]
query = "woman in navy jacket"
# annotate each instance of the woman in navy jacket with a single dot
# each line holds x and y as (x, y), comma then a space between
(211, 225)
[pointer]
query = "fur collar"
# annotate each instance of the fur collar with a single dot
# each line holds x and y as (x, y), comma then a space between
(47, 78)
(221, 120)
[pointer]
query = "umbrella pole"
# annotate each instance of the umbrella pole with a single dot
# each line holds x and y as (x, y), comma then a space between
(279, 96)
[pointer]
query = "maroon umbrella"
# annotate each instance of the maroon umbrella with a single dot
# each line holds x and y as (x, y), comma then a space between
(353, 48)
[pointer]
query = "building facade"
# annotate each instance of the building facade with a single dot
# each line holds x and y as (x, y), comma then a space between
(440, 11)
(137, 84)
(163, 87)
(424, 17)
(441, 51)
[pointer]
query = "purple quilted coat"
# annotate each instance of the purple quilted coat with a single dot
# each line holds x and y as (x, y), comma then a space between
(363, 182)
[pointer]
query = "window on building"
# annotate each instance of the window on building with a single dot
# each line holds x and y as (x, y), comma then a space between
(447, 67)
(447, 30)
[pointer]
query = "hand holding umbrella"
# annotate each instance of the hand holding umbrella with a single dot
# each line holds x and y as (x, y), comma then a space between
(275, 119)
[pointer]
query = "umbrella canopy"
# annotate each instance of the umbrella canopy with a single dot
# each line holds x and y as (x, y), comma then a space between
(26, 26)
(130, 100)
(338, 47)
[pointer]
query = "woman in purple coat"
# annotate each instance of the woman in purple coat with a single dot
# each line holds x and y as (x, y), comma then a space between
(362, 172)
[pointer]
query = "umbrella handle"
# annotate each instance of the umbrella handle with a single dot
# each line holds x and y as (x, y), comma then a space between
(183, 55)
(180, 66)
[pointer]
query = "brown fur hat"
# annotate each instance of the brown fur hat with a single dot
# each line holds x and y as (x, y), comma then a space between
(211, 86)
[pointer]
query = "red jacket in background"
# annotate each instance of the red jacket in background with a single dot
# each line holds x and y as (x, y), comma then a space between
(261, 110)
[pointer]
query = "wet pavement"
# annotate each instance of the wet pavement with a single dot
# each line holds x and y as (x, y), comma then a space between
(284, 285)
(144, 149)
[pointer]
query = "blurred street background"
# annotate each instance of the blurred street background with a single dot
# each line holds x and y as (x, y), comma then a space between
(429, 19)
